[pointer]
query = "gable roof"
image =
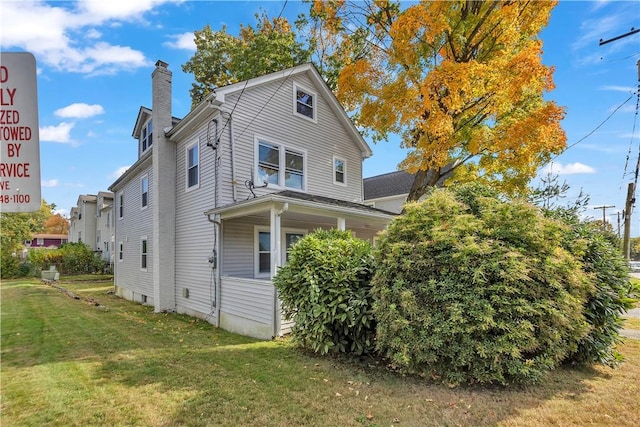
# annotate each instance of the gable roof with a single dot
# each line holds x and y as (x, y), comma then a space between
(144, 114)
(217, 99)
(388, 184)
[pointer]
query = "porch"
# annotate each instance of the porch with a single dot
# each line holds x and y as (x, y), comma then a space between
(253, 238)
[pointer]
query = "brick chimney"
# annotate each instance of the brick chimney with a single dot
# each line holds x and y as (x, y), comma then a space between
(163, 192)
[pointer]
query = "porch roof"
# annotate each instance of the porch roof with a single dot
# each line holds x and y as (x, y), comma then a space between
(303, 202)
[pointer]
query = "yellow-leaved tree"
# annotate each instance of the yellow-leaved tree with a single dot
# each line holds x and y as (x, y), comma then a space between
(461, 81)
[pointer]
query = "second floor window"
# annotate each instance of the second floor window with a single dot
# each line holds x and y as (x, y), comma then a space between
(121, 205)
(193, 160)
(147, 136)
(144, 184)
(281, 166)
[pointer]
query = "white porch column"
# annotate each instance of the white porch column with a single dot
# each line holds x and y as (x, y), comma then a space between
(341, 224)
(276, 244)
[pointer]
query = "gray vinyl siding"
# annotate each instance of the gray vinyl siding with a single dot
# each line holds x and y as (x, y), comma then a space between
(135, 223)
(252, 300)
(239, 252)
(321, 141)
(194, 233)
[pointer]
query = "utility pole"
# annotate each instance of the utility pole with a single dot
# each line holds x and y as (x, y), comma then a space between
(618, 227)
(631, 199)
(633, 31)
(604, 214)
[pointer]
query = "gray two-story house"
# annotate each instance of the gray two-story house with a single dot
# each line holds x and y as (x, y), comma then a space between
(204, 218)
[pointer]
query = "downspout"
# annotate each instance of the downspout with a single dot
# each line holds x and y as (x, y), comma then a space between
(277, 263)
(216, 266)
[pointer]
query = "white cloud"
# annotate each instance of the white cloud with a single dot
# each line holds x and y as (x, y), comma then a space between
(118, 172)
(79, 111)
(62, 212)
(568, 169)
(626, 89)
(60, 133)
(64, 35)
(50, 183)
(182, 41)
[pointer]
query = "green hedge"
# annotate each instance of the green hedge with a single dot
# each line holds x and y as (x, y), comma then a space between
(473, 288)
(325, 289)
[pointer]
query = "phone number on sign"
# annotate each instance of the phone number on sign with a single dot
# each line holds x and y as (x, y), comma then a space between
(16, 198)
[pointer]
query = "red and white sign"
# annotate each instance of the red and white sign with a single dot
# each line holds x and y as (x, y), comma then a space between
(20, 189)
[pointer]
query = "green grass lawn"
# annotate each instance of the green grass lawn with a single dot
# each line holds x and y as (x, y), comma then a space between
(68, 362)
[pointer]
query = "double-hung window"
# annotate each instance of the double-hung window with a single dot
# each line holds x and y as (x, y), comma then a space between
(193, 169)
(143, 253)
(121, 205)
(147, 136)
(304, 102)
(144, 186)
(263, 248)
(280, 166)
(269, 163)
(339, 171)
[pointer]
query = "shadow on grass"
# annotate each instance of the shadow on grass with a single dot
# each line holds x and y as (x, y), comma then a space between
(175, 370)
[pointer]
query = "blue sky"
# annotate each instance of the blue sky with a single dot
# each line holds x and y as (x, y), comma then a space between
(95, 61)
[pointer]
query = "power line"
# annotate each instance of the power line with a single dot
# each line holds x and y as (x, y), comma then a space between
(245, 86)
(597, 127)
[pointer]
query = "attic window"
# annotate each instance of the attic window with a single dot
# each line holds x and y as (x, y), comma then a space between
(304, 103)
(147, 136)
(339, 171)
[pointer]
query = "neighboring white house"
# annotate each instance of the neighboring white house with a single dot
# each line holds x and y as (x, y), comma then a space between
(388, 191)
(82, 223)
(205, 216)
(105, 230)
(92, 223)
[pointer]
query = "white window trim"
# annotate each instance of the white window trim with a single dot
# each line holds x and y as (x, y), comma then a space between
(314, 94)
(120, 251)
(142, 178)
(344, 172)
(143, 239)
(120, 205)
(148, 139)
(283, 250)
(282, 150)
(186, 166)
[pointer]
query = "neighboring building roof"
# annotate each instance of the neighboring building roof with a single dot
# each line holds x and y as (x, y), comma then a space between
(87, 198)
(397, 183)
(388, 184)
(49, 236)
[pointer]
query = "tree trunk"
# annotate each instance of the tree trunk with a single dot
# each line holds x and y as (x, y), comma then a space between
(422, 181)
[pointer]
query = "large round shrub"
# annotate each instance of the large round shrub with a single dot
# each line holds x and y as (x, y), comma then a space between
(473, 288)
(608, 272)
(325, 290)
